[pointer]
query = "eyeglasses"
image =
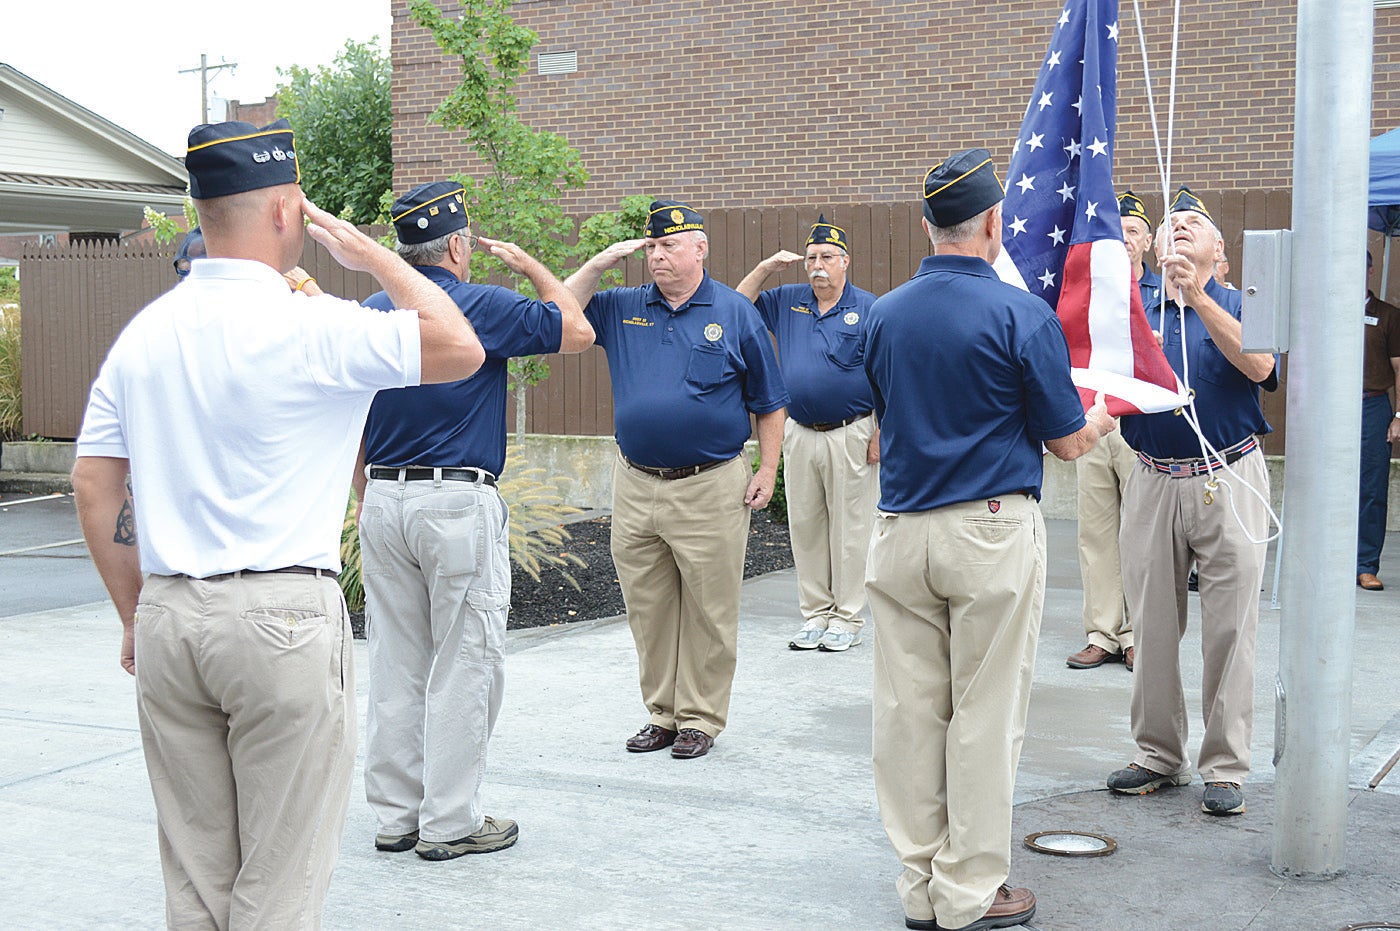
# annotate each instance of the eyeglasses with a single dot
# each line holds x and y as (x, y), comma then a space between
(824, 258)
(470, 240)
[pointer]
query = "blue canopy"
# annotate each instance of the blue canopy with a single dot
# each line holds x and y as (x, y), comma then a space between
(1384, 197)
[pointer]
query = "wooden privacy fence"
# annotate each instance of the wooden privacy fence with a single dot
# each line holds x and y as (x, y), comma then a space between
(75, 300)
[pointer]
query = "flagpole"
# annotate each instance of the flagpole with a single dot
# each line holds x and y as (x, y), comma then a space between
(1330, 168)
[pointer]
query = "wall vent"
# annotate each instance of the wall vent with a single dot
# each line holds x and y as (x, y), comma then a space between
(558, 62)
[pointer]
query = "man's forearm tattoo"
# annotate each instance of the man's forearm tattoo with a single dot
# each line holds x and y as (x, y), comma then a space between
(126, 525)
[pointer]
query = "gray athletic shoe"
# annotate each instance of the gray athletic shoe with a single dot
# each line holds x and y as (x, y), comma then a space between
(1139, 780)
(1223, 798)
(494, 834)
(395, 843)
(838, 641)
(808, 637)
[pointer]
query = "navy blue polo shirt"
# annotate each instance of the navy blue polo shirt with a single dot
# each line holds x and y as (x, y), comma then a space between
(684, 381)
(1150, 286)
(970, 375)
(820, 354)
(461, 423)
(1227, 402)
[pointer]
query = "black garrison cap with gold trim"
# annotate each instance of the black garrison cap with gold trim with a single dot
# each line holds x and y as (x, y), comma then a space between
(669, 217)
(1185, 200)
(233, 157)
(961, 187)
(827, 234)
(429, 212)
(1130, 205)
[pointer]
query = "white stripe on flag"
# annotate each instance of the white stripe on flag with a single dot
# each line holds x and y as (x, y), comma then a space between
(1143, 395)
(1110, 336)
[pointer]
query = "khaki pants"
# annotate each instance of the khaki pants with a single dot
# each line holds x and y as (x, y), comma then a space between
(436, 563)
(956, 595)
(1166, 524)
(1101, 474)
(831, 492)
(245, 694)
(678, 546)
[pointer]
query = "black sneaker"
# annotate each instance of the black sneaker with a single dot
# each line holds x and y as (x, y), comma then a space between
(1223, 798)
(1139, 780)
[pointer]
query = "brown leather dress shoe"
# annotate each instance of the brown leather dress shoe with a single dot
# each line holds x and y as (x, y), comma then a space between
(691, 743)
(1010, 907)
(650, 738)
(1092, 656)
(1368, 581)
(1128, 658)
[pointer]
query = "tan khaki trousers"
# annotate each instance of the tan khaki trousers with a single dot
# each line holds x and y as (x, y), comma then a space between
(831, 493)
(678, 546)
(956, 595)
(1101, 474)
(1166, 524)
(245, 694)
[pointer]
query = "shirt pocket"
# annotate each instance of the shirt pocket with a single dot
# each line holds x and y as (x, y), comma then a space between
(1213, 367)
(843, 348)
(706, 366)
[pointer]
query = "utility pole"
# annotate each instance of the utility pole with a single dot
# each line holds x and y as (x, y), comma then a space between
(204, 69)
(1330, 167)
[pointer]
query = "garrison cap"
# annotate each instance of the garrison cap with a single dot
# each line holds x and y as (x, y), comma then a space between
(1185, 200)
(429, 211)
(668, 217)
(233, 157)
(1130, 205)
(826, 234)
(960, 187)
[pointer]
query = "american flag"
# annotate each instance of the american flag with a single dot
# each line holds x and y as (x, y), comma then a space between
(1062, 238)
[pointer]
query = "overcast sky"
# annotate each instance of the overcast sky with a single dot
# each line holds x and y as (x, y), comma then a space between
(122, 60)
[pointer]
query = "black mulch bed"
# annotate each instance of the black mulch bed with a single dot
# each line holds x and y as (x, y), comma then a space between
(552, 600)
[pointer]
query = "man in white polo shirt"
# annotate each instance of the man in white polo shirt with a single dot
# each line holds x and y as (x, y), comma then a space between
(236, 405)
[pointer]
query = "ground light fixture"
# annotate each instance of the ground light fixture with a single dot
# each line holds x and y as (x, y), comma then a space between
(1071, 843)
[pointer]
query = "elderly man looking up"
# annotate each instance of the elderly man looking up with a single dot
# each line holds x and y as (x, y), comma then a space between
(690, 361)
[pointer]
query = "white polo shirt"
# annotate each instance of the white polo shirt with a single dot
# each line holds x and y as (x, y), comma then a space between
(240, 406)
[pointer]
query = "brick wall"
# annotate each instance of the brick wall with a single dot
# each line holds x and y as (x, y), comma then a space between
(259, 113)
(731, 103)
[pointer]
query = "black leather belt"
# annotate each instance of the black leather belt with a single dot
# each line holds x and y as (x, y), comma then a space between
(681, 472)
(286, 570)
(824, 427)
(428, 474)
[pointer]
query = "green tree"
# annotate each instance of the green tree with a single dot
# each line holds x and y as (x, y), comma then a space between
(341, 116)
(526, 171)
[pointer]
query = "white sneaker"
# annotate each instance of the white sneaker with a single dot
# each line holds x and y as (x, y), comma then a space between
(838, 641)
(808, 637)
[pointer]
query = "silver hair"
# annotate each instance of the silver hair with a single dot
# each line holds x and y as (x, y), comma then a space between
(960, 232)
(426, 253)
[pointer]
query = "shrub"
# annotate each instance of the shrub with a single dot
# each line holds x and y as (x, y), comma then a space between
(537, 513)
(9, 368)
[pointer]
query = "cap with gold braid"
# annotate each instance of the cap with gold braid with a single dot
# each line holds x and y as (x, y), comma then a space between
(1185, 200)
(1130, 205)
(233, 157)
(961, 187)
(429, 212)
(824, 233)
(668, 217)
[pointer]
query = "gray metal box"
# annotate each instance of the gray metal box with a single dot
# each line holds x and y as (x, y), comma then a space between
(1267, 290)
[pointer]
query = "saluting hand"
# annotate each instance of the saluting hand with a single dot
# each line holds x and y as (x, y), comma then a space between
(617, 253)
(782, 259)
(347, 245)
(514, 257)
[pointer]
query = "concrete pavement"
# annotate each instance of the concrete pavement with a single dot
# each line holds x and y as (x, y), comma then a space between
(776, 829)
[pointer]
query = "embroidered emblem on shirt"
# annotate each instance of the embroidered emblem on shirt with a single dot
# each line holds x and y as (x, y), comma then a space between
(993, 505)
(851, 318)
(637, 321)
(801, 309)
(713, 332)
